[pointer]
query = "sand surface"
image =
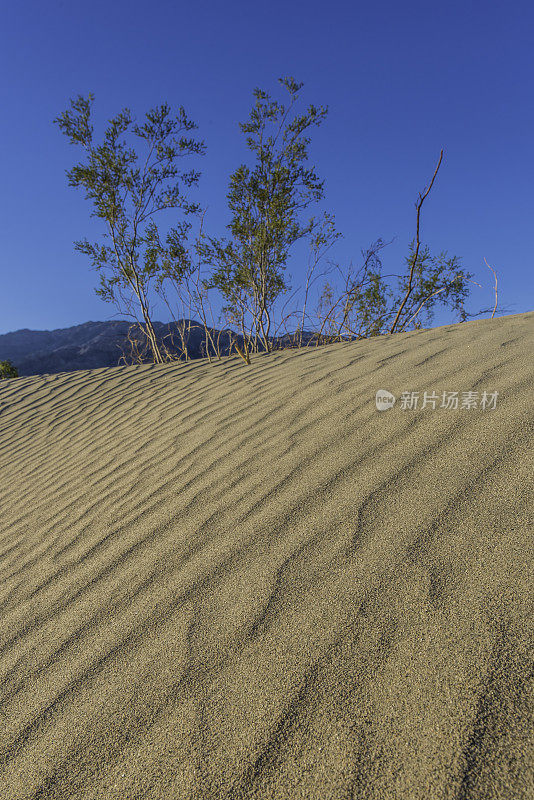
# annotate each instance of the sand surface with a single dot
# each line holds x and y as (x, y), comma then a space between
(231, 582)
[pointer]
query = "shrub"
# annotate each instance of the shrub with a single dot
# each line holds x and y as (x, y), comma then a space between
(8, 370)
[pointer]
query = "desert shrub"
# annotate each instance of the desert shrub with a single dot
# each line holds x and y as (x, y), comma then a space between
(8, 370)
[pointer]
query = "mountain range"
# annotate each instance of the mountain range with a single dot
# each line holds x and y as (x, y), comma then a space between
(94, 344)
(107, 344)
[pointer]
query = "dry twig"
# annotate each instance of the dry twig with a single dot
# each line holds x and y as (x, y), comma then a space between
(416, 254)
(495, 276)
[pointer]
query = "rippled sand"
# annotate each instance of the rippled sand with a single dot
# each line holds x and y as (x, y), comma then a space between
(221, 581)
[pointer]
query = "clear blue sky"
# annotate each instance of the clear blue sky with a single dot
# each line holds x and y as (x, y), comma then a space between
(401, 80)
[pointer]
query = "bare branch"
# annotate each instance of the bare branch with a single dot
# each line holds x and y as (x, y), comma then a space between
(495, 276)
(416, 254)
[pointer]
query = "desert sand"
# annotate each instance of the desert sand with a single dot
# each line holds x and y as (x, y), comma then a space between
(221, 581)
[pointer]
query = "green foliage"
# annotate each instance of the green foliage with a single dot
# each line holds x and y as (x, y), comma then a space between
(8, 370)
(362, 303)
(126, 190)
(436, 279)
(367, 303)
(266, 201)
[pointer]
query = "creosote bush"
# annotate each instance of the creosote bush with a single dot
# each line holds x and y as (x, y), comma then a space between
(244, 274)
(128, 185)
(8, 370)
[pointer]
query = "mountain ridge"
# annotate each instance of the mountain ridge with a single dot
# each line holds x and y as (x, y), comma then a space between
(92, 345)
(89, 345)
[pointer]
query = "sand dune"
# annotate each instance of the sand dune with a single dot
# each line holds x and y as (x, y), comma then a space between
(231, 582)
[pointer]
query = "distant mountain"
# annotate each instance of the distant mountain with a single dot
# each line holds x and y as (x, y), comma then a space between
(92, 345)
(99, 344)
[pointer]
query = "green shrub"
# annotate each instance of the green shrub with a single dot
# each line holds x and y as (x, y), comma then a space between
(8, 370)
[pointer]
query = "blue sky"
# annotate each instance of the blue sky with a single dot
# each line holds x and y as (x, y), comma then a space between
(401, 81)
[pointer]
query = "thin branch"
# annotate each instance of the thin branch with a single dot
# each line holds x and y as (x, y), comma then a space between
(495, 276)
(419, 206)
(405, 324)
